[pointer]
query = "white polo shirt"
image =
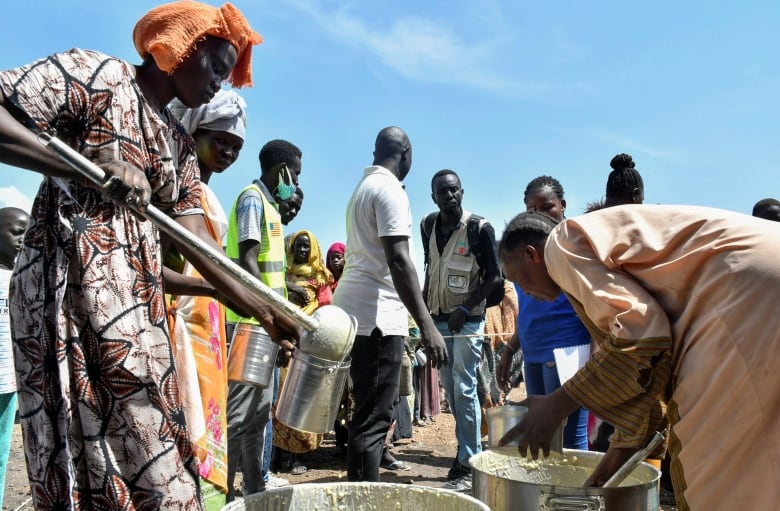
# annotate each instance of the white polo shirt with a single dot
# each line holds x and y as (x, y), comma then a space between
(379, 207)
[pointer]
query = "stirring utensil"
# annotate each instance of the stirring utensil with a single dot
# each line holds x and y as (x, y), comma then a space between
(633, 461)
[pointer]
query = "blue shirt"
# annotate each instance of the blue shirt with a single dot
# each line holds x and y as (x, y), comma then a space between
(543, 326)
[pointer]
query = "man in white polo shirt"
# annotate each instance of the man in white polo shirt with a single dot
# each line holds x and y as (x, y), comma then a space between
(378, 286)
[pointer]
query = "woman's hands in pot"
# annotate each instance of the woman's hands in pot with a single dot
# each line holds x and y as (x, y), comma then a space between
(612, 460)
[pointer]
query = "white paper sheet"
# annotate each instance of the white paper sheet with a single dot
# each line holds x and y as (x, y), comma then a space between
(569, 360)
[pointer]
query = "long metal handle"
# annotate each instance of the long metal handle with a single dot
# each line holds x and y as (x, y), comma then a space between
(633, 461)
(95, 174)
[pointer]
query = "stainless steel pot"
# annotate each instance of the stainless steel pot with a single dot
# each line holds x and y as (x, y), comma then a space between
(504, 480)
(356, 496)
(252, 356)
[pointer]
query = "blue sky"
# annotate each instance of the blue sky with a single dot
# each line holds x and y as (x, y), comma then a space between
(500, 91)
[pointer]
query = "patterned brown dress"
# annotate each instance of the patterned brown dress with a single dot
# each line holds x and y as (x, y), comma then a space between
(98, 395)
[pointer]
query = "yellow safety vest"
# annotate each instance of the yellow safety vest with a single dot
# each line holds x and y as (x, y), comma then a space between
(271, 259)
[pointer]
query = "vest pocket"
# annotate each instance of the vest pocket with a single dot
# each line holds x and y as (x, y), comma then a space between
(458, 274)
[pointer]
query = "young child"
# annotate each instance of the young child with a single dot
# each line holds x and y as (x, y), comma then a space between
(13, 222)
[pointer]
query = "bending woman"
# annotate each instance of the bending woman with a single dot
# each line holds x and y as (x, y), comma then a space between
(682, 301)
(99, 398)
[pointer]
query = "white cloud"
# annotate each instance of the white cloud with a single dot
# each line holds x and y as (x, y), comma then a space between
(10, 196)
(624, 143)
(414, 47)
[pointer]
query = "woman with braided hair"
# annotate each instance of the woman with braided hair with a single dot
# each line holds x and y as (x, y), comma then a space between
(624, 184)
(682, 303)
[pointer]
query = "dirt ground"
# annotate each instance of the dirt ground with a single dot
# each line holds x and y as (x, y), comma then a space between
(429, 454)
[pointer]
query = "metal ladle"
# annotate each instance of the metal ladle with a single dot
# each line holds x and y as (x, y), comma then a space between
(95, 174)
(633, 461)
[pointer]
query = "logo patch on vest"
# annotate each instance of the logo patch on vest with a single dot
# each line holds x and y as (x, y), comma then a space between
(276, 228)
(461, 248)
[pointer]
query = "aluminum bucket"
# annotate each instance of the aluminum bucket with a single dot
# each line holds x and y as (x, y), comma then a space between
(252, 356)
(503, 480)
(310, 397)
(356, 496)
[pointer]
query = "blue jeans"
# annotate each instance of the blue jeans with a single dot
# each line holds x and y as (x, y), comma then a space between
(542, 379)
(459, 379)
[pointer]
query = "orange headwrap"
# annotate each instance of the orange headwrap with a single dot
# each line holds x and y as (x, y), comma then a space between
(170, 32)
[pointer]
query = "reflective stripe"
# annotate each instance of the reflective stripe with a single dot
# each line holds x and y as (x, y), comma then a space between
(270, 266)
(271, 257)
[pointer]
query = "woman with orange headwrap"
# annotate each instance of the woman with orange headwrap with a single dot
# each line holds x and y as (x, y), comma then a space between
(99, 398)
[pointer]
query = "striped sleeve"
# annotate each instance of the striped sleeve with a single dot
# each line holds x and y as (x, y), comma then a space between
(625, 383)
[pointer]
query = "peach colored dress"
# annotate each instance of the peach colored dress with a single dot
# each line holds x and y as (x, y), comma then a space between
(683, 303)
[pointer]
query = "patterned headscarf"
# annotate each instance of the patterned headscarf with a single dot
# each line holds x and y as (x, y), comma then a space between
(225, 112)
(170, 32)
(314, 267)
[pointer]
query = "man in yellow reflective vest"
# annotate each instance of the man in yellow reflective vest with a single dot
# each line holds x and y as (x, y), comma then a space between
(256, 242)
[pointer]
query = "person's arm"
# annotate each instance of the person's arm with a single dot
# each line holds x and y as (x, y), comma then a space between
(178, 284)
(20, 147)
(248, 250)
(407, 286)
(505, 363)
(279, 327)
(491, 278)
(484, 375)
(426, 279)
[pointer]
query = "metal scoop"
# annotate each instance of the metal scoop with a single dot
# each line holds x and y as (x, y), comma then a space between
(633, 461)
(95, 174)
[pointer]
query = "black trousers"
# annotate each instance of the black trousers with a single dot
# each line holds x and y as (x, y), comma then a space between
(376, 373)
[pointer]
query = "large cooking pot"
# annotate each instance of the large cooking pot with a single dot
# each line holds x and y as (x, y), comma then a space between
(504, 480)
(356, 496)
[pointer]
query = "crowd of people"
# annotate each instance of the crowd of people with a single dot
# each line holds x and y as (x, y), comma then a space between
(120, 336)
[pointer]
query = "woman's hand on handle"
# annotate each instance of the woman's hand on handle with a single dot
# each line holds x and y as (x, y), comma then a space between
(127, 184)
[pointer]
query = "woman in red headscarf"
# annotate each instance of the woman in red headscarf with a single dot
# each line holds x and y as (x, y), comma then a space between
(334, 261)
(99, 399)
